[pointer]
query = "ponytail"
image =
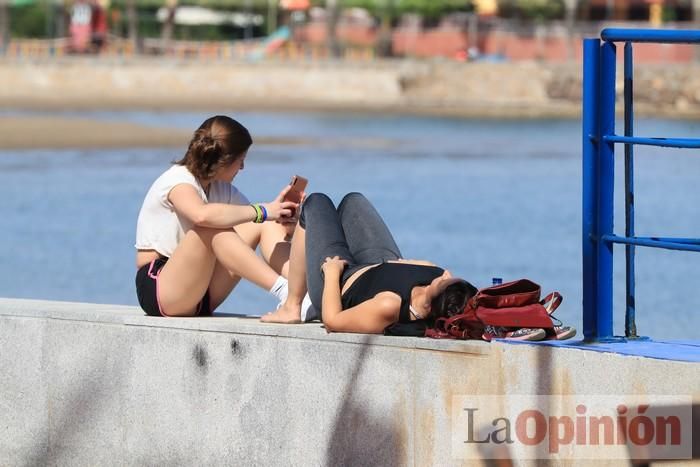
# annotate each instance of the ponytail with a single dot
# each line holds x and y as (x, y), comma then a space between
(218, 142)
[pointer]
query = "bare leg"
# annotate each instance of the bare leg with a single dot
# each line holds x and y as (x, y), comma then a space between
(222, 284)
(186, 276)
(290, 311)
(274, 248)
(224, 281)
(251, 233)
(275, 251)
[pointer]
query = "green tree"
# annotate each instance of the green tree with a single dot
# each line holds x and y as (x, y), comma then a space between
(540, 10)
(570, 7)
(427, 8)
(169, 24)
(132, 19)
(432, 9)
(28, 20)
(4, 25)
(333, 15)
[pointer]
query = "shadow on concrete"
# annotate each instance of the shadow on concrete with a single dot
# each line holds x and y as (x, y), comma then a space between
(640, 456)
(544, 387)
(360, 437)
(500, 455)
(643, 456)
(79, 409)
(235, 315)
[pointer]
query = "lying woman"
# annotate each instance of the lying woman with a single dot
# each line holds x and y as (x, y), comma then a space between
(355, 273)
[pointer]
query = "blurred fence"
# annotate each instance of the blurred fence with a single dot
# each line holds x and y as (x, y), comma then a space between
(487, 40)
(38, 49)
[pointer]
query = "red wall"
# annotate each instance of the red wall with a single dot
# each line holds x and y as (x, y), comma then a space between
(448, 42)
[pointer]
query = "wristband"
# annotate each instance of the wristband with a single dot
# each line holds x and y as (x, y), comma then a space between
(258, 214)
(264, 213)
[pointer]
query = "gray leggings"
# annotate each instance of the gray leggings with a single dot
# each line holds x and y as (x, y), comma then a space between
(355, 232)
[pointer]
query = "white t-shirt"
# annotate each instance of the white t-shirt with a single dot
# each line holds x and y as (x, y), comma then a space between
(159, 227)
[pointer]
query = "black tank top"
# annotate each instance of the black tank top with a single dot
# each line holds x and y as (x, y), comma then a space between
(399, 278)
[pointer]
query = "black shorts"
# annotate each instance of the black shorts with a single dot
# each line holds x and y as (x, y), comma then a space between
(147, 290)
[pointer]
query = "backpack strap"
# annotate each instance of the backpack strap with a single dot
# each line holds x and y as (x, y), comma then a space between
(464, 326)
(439, 330)
(551, 302)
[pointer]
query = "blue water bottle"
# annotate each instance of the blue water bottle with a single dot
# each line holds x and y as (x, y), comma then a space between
(496, 281)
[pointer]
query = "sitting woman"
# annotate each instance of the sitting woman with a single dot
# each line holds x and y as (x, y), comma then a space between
(356, 275)
(196, 233)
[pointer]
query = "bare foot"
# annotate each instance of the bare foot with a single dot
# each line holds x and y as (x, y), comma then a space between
(286, 314)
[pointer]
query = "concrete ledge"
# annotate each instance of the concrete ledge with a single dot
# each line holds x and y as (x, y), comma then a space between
(86, 384)
(224, 323)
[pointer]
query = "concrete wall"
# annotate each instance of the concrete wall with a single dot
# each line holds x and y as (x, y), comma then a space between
(84, 384)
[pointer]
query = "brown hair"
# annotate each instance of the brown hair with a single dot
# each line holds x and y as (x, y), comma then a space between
(218, 142)
(452, 300)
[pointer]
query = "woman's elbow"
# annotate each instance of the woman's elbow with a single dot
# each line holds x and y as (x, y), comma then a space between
(200, 219)
(330, 325)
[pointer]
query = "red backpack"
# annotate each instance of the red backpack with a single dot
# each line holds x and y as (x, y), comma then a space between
(514, 304)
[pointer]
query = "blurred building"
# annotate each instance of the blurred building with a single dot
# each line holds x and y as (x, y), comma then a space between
(478, 30)
(495, 30)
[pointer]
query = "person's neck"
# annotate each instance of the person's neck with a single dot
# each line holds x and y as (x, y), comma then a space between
(205, 185)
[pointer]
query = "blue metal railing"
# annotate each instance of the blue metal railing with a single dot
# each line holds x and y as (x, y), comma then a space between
(599, 139)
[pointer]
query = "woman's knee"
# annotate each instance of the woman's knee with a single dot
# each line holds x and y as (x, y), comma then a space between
(205, 233)
(313, 203)
(317, 199)
(352, 200)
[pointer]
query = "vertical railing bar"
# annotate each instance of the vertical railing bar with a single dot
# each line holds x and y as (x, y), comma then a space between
(606, 188)
(591, 140)
(630, 325)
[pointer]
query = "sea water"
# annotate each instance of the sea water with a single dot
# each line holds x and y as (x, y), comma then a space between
(481, 198)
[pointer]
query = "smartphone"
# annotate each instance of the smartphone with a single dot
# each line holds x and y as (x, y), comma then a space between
(298, 184)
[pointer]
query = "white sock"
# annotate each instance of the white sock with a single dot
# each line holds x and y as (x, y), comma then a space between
(280, 289)
(306, 305)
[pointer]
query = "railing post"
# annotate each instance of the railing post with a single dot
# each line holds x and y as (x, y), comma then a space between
(630, 325)
(591, 141)
(599, 139)
(606, 180)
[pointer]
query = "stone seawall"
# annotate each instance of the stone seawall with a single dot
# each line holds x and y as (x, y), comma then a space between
(524, 89)
(85, 384)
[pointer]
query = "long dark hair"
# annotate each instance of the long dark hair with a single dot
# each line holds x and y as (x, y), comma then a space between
(452, 300)
(218, 142)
